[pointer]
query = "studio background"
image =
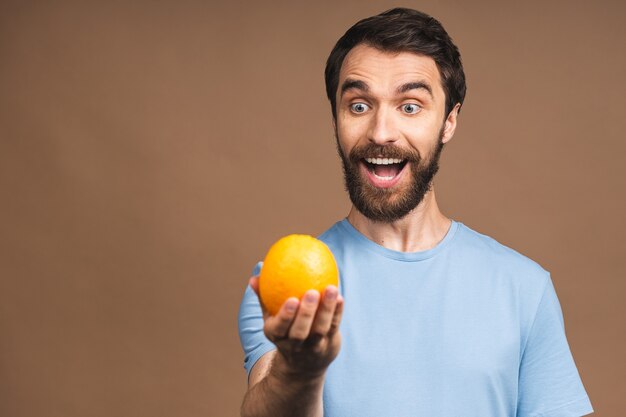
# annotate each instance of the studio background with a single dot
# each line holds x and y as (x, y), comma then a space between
(151, 153)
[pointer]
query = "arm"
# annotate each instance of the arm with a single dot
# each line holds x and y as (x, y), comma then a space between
(289, 381)
(275, 393)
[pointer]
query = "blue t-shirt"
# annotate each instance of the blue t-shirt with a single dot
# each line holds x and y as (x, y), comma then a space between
(467, 328)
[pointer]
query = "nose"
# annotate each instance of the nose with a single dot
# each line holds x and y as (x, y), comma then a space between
(382, 129)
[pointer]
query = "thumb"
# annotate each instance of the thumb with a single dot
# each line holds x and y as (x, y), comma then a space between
(254, 284)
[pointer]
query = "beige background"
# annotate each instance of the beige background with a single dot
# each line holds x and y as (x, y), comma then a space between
(151, 153)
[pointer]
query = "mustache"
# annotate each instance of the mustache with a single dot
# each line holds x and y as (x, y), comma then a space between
(372, 150)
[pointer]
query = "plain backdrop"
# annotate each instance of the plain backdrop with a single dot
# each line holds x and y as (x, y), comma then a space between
(151, 152)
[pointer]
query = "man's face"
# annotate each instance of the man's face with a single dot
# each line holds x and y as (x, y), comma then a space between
(390, 129)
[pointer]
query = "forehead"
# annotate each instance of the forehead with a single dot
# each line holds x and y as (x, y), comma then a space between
(383, 70)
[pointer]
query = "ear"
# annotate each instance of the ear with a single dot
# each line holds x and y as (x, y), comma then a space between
(449, 127)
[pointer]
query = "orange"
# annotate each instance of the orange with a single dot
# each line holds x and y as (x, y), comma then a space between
(293, 265)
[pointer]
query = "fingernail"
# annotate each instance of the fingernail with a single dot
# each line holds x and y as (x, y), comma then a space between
(331, 293)
(311, 297)
(291, 305)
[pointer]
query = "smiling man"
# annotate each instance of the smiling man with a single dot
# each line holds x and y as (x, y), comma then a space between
(439, 320)
(391, 122)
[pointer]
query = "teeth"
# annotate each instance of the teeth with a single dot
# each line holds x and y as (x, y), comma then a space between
(383, 161)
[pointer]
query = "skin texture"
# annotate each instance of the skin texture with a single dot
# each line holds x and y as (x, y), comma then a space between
(289, 381)
(386, 122)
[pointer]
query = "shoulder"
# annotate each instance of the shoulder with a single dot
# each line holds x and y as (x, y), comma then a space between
(335, 237)
(333, 233)
(477, 248)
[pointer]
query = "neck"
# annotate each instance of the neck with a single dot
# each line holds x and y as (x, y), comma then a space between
(422, 229)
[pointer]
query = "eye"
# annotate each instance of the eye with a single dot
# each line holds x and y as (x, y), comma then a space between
(410, 108)
(359, 108)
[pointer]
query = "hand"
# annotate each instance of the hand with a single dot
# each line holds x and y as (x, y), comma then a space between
(306, 333)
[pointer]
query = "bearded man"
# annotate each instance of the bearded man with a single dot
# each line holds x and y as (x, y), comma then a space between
(439, 320)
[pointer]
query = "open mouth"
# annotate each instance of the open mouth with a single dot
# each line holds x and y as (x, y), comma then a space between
(384, 169)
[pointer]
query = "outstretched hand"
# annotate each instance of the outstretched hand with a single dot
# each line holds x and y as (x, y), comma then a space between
(305, 332)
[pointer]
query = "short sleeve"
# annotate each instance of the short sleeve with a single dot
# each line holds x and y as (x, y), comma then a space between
(549, 384)
(253, 340)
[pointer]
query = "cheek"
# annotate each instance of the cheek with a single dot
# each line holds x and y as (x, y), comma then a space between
(351, 132)
(344, 136)
(422, 136)
(340, 138)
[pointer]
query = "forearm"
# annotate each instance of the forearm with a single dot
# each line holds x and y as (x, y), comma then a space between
(281, 394)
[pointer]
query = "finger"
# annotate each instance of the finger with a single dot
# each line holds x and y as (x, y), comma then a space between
(254, 283)
(336, 320)
(276, 327)
(301, 326)
(325, 312)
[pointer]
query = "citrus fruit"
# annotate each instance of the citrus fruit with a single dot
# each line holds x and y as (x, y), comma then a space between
(293, 265)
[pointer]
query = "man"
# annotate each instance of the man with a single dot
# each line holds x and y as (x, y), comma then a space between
(439, 320)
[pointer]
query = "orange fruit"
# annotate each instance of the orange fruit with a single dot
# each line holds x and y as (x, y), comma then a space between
(293, 265)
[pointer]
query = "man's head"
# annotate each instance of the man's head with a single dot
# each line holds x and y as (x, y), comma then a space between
(395, 83)
(401, 30)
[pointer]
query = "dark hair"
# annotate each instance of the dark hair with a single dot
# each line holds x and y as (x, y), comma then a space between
(402, 30)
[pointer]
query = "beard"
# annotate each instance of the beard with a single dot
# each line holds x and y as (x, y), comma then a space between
(389, 204)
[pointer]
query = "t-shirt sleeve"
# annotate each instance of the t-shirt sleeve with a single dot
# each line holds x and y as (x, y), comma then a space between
(549, 384)
(253, 340)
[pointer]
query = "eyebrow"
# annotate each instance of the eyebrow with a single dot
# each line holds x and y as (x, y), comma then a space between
(349, 84)
(417, 85)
